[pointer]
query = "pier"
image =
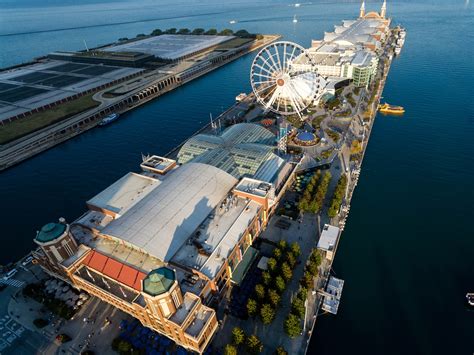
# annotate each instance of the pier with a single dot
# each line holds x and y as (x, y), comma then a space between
(120, 99)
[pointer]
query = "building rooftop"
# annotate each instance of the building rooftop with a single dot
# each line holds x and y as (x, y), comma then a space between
(50, 231)
(124, 193)
(31, 86)
(328, 239)
(240, 149)
(216, 237)
(162, 221)
(171, 47)
(254, 187)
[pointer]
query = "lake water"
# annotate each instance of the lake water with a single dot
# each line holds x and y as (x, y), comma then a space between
(407, 254)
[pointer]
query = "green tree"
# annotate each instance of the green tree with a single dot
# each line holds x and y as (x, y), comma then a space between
(316, 257)
(260, 291)
(286, 271)
(184, 31)
(280, 284)
(211, 32)
(242, 33)
(307, 280)
(230, 350)
(277, 253)
(157, 32)
(273, 297)
(292, 326)
(267, 313)
(254, 345)
(302, 293)
(266, 278)
(259, 36)
(297, 307)
(282, 244)
(171, 31)
(141, 35)
(313, 268)
(295, 249)
(238, 336)
(226, 32)
(272, 264)
(290, 259)
(280, 351)
(123, 39)
(198, 31)
(251, 307)
(124, 347)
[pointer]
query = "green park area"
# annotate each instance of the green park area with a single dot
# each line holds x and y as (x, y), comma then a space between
(21, 127)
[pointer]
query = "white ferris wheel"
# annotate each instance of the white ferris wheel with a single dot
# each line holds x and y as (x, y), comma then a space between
(281, 86)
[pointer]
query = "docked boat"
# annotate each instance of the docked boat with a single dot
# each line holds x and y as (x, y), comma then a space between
(240, 97)
(470, 298)
(389, 109)
(109, 119)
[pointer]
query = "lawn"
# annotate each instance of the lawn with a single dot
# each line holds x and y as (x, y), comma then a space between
(36, 121)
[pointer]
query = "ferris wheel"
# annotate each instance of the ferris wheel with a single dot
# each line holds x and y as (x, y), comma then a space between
(280, 85)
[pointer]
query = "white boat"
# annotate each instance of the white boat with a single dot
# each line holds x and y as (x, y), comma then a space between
(470, 299)
(232, 22)
(397, 50)
(297, 5)
(240, 97)
(295, 20)
(109, 119)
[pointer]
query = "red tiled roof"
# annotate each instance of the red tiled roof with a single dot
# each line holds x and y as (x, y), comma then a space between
(97, 261)
(112, 268)
(127, 276)
(115, 269)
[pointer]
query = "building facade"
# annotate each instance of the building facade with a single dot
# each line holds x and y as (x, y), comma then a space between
(167, 244)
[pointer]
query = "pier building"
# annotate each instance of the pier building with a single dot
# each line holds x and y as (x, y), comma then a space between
(163, 244)
(350, 51)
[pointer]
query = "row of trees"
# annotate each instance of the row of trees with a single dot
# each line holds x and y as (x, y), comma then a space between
(240, 341)
(339, 193)
(313, 197)
(292, 324)
(202, 31)
(267, 295)
(251, 344)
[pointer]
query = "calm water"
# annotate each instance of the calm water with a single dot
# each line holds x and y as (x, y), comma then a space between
(407, 254)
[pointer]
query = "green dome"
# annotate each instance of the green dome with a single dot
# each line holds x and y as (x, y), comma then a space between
(158, 281)
(50, 232)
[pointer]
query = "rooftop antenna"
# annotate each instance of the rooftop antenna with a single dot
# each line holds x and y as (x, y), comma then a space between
(85, 44)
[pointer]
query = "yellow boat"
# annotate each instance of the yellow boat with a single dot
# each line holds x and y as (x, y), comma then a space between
(388, 109)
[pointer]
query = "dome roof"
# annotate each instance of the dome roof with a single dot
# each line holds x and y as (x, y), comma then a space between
(50, 231)
(158, 281)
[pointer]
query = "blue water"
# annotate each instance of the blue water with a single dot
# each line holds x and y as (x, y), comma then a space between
(407, 254)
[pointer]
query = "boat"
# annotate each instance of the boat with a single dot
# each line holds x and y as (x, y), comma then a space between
(470, 298)
(295, 20)
(297, 5)
(389, 109)
(240, 97)
(109, 119)
(232, 22)
(397, 50)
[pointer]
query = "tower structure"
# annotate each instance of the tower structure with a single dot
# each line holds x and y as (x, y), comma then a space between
(362, 10)
(383, 10)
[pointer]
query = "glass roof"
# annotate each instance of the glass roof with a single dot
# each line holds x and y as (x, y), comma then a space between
(240, 150)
